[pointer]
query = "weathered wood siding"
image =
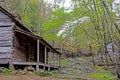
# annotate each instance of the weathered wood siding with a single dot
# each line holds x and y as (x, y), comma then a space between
(5, 44)
(6, 38)
(5, 20)
(23, 48)
(42, 53)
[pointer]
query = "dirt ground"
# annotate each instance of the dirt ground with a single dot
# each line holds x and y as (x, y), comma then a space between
(25, 77)
(35, 77)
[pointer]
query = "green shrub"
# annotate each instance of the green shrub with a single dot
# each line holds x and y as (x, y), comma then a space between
(102, 74)
(6, 72)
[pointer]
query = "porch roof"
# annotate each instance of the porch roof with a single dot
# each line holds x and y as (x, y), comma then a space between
(35, 37)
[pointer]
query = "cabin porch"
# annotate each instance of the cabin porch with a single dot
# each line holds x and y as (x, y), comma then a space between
(31, 50)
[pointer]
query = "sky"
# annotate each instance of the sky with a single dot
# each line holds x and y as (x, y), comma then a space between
(117, 1)
(67, 3)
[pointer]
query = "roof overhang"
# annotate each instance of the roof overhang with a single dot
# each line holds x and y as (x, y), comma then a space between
(35, 37)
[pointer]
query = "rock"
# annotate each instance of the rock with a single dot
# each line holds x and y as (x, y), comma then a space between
(30, 72)
(14, 72)
(2, 69)
(19, 71)
(23, 72)
(41, 70)
(29, 68)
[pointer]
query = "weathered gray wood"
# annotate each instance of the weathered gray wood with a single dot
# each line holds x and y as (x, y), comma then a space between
(30, 63)
(59, 60)
(5, 44)
(45, 55)
(5, 23)
(38, 54)
(38, 51)
(5, 19)
(2, 28)
(5, 49)
(2, 15)
(4, 61)
(3, 41)
(50, 57)
(5, 55)
(6, 38)
(5, 35)
(5, 32)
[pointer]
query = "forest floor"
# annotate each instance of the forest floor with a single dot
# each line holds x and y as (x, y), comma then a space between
(82, 69)
(71, 69)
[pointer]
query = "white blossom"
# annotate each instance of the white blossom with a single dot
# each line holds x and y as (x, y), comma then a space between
(69, 26)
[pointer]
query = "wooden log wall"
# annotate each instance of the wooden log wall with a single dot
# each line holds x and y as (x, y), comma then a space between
(6, 26)
(5, 43)
(24, 44)
(42, 53)
(24, 48)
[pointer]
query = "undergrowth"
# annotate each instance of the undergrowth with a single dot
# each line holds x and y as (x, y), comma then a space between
(6, 72)
(101, 74)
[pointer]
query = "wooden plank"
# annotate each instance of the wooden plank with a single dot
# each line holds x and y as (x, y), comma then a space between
(50, 57)
(5, 41)
(4, 61)
(38, 51)
(5, 55)
(2, 36)
(59, 60)
(38, 55)
(2, 15)
(30, 63)
(4, 19)
(8, 28)
(5, 49)
(5, 32)
(6, 38)
(5, 23)
(45, 55)
(5, 44)
(34, 63)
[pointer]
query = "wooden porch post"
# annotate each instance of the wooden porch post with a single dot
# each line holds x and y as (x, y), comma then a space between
(59, 61)
(53, 60)
(38, 53)
(49, 60)
(50, 57)
(11, 65)
(45, 57)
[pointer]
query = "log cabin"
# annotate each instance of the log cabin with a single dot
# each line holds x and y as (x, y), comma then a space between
(20, 47)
